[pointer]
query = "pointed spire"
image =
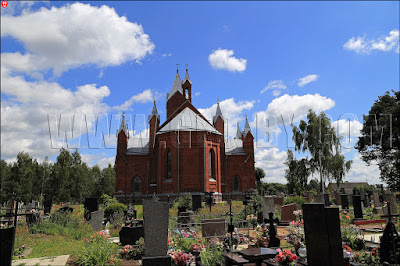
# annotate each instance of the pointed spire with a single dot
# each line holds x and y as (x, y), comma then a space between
(238, 132)
(176, 86)
(247, 128)
(187, 76)
(218, 113)
(154, 111)
(124, 125)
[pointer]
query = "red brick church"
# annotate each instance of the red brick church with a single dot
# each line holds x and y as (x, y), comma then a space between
(186, 153)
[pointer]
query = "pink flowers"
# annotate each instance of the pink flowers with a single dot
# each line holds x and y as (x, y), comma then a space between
(86, 240)
(181, 258)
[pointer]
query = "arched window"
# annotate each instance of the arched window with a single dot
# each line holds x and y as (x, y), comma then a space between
(136, 185)
(211, 164)
(169, 164)
(236, 183)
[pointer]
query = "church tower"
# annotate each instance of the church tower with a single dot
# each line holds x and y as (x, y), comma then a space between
(123, 136)
(187, 87)
(218, 120)
(154, 124)
(175, 98)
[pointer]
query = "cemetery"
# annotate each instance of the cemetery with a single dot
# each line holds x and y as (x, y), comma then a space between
(261, 230)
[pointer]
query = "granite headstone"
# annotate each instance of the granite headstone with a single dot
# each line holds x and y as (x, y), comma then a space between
(344, 200)
(287, 214)
(96, 219)
(326, 200)
(358, 214)
(196, 202)
(129, 235)
(375, 197)
(268, 206)
(213, 227)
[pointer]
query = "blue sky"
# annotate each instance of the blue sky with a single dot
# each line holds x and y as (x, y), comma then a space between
(259, 58)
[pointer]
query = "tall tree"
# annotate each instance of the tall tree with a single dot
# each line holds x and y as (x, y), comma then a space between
(297, 173)
(260, 174)
(380, 138)
(318, 137)
(21, 178)
(5, 180)
(59, 186)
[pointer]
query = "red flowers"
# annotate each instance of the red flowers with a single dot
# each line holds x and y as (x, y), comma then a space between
(285, 256)
(86, 240)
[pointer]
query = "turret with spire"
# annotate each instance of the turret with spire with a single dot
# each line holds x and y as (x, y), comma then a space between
(177, 95)
(154, 124)
(218, 120)
(123, 136)
(187, 86)
(238, 132)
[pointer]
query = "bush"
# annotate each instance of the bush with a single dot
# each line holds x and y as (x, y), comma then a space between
(298, 200)
(114, 207)
(185, 201)
(99, 251)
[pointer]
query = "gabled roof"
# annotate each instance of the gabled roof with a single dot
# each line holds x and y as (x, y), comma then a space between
(176, 86)
(218, 113)
(187, 120)
(234, 147)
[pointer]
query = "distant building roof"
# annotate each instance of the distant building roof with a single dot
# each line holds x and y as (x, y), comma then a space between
(188, 120)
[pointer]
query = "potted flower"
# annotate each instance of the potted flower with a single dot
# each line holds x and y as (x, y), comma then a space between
(347, 255)
(285, 257)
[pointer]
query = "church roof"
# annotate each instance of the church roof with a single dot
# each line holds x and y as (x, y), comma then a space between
(188, 120)
(218, 113)
(234, 147)
(247, 129)
(123, 126)
(187, 78)
(154, 111)
(238, 132)
(176, 86)
(138, 146)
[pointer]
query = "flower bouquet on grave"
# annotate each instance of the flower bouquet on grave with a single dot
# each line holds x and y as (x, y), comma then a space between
(252, 219)
(262, 236)
(285, 257)
(347, 254)
(180, 258)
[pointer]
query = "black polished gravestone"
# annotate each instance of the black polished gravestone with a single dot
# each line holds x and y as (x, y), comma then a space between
(7, 237)
(273, 240)
(345, 201)
(129, 235)
(196, 202)
(91, 205)
(322, 233)
(358, 214)
(326, 200)
(47, 204)
(389, 248)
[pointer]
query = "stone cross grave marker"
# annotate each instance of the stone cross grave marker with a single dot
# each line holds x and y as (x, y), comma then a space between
(96, 220)
(358, 214)
(322, 233)
(273, 240)
(156, 218)
(213, 227)
(287, 213)
(268, 206)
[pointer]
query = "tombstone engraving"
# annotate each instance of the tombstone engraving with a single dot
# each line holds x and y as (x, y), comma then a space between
(287, 213)
(358, 214)
(213, 227)
(344, 201)
(375, 198)
(322, 233)
(96, 220)
(196, 202)
(156, 217)
(129, 235)
(268, 206)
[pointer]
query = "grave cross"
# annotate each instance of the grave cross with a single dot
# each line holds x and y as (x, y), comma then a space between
(273, 240)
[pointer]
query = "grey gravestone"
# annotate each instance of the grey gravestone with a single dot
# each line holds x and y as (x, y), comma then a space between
(358, 214)
(129, 235)
(392, 201)
(96, 220)
(375, 196)
(322, 233)
(268, 206)
(319, 198)
(156, 217)
(326, 200)
(196, 202)
(278, 200)
(213, 227)
(344, 200)
(287, 213)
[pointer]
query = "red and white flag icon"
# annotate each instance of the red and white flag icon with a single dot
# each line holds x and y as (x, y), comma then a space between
(4, 4)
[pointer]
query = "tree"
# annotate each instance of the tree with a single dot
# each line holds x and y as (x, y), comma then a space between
(20, 185)
(318, 137)
(380, 138)
(59, 186)
(260, 174)
(5, 179)
(297, 173)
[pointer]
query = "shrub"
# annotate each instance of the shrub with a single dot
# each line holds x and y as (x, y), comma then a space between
(99, 251)
(185, 201)
(298, 200)
(114, 207)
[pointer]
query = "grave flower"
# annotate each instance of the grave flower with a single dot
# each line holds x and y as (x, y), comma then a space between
(285, 257)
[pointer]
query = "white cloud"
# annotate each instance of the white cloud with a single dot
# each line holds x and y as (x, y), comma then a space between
(361, 172)
(197, 94)
(272, 161)
(98, 159)
(232, 112)
(276, 93)
(143, 97)
(274, 84)
(307, 79)
(224, 59)
(385, 43)
(101, 74)
(348, 128)
(166, 55)
(297, 106)
(73, 35)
